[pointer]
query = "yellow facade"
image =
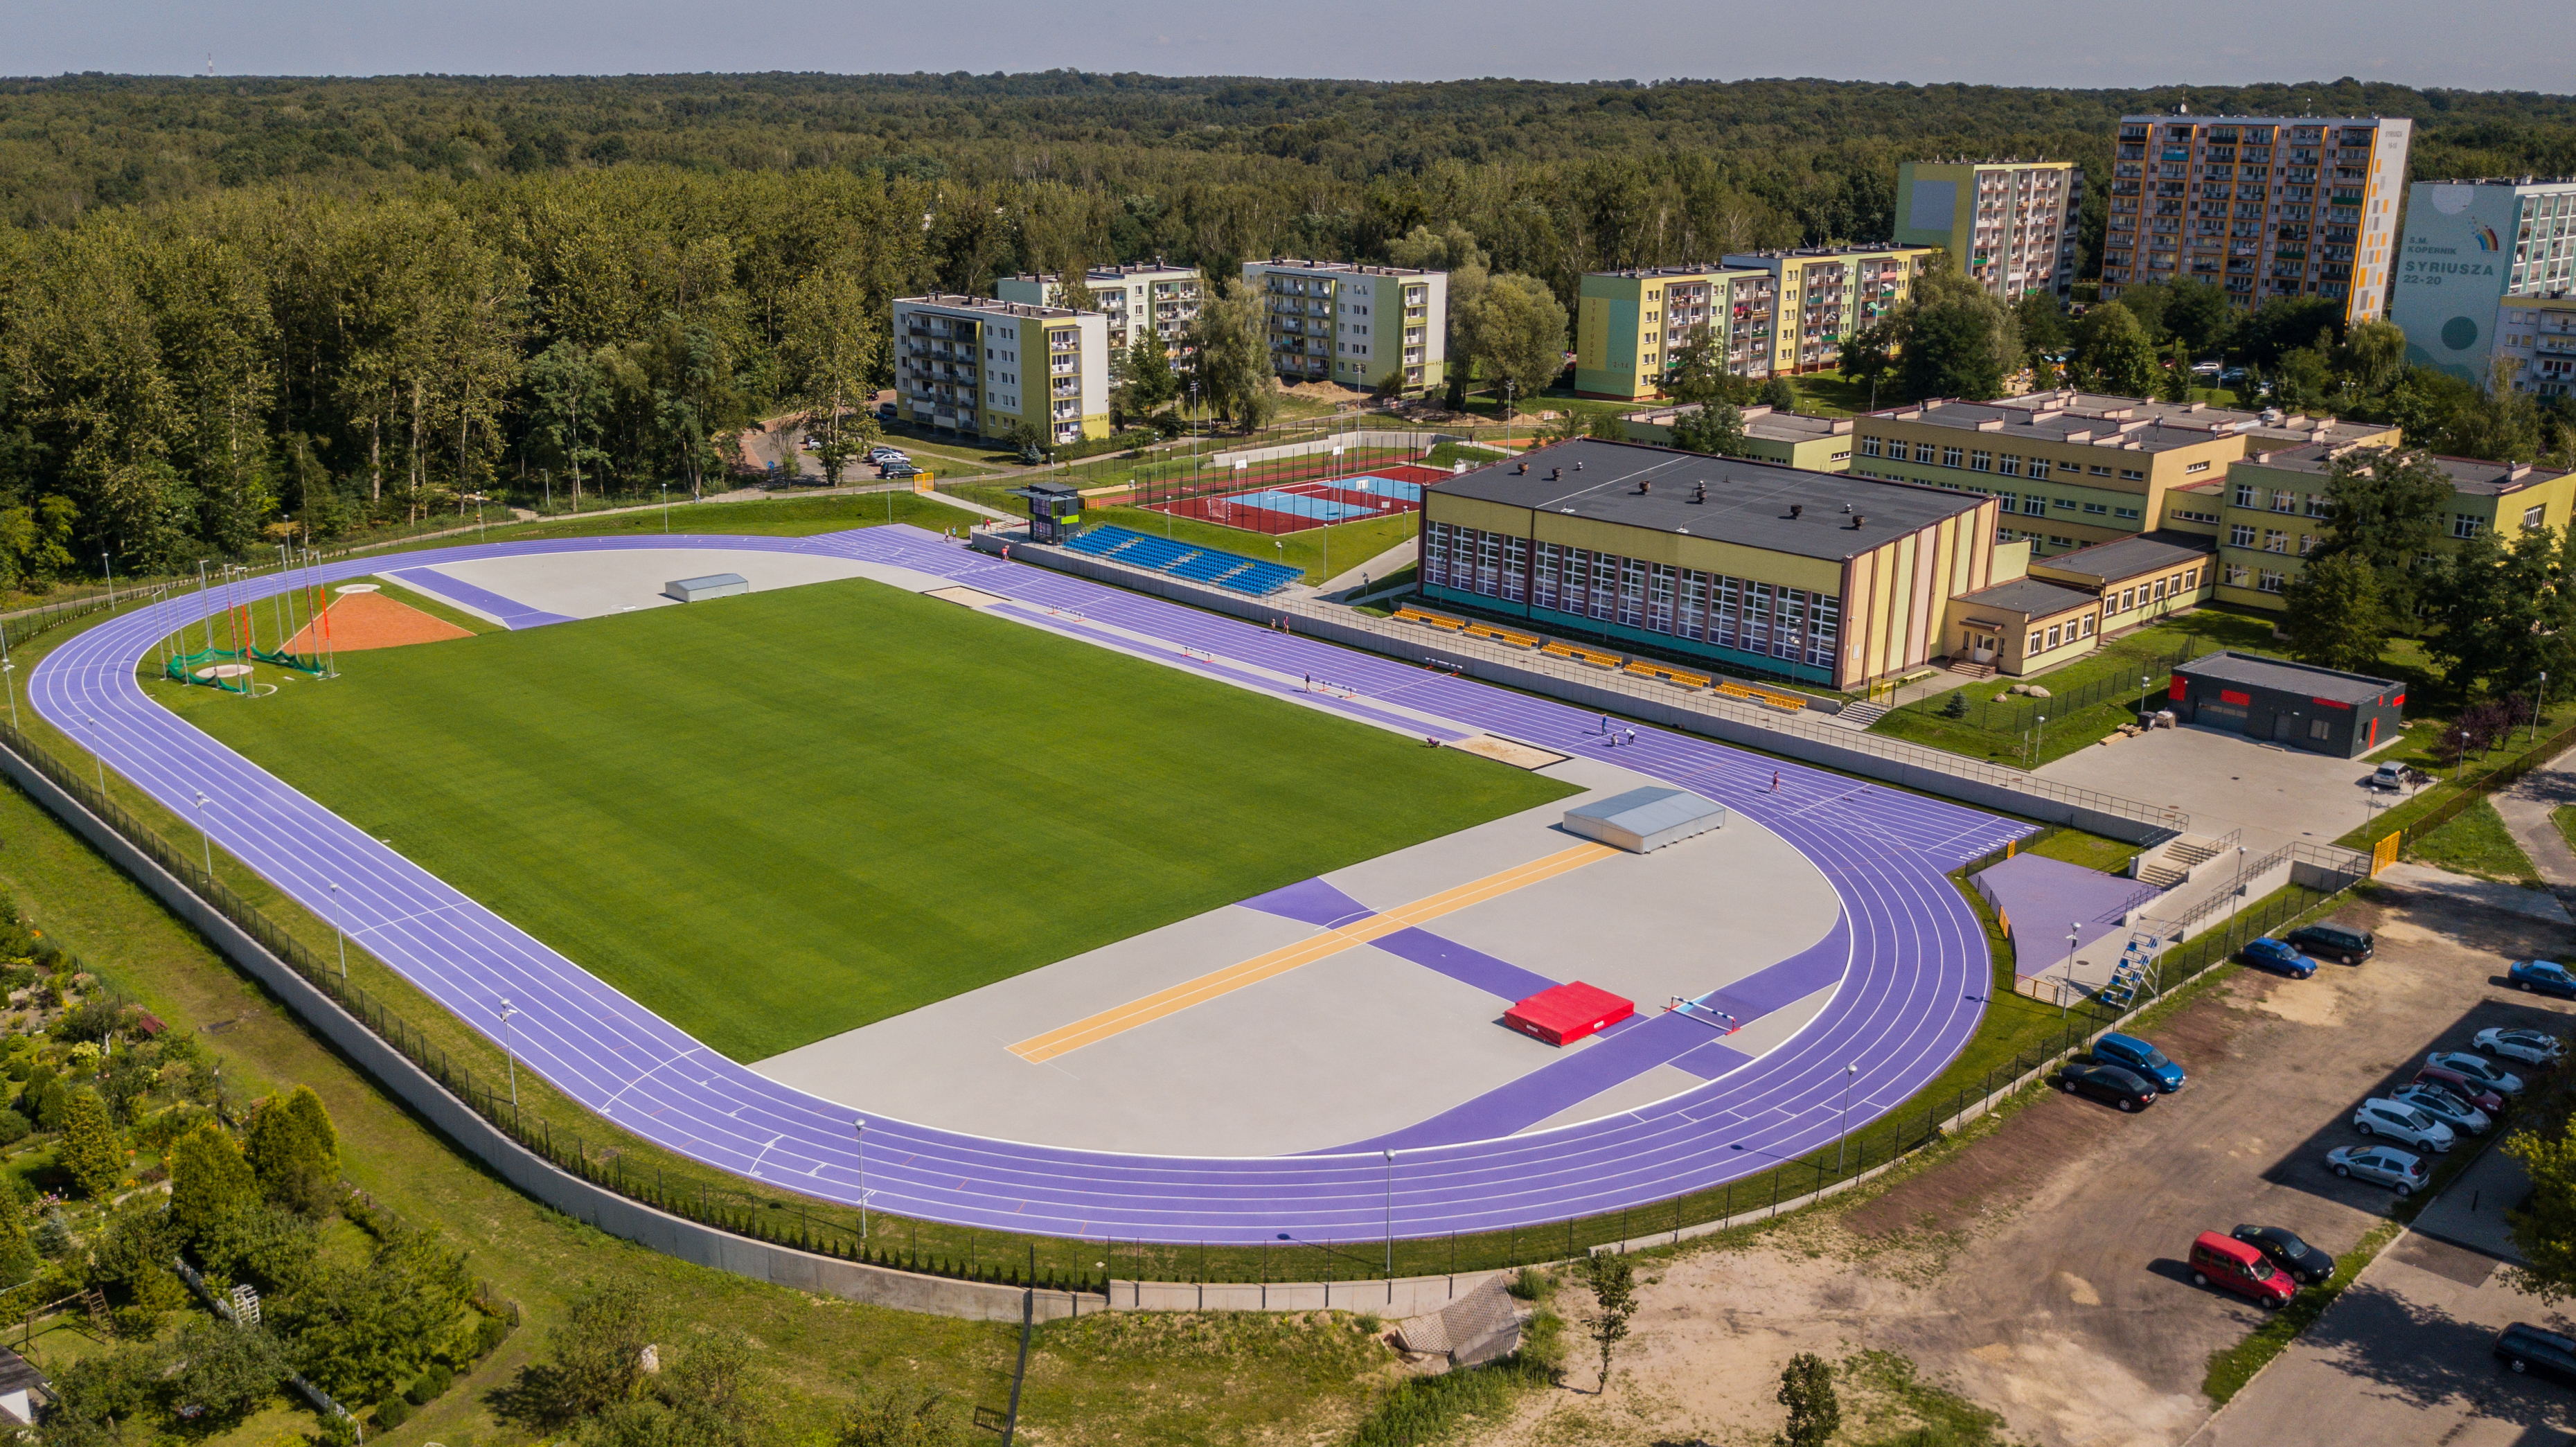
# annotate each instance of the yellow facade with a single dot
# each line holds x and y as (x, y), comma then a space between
(1629, 324)
(2001, 222)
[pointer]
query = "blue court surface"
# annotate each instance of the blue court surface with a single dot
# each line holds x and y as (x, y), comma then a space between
(1295, 505)
(1383, 487)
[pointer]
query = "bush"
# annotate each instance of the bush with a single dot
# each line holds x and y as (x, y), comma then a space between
(429, 1386)
(489, 1333)
(1957, 707)
(392, 1412)
(13, 1127)
(135, 1323)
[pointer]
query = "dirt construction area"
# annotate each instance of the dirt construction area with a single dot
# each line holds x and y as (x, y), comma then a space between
(2037, 1268)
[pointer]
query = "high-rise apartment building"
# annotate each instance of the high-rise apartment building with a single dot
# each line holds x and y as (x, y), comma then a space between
(1339, 321)
(1629, 324)
(2261, 206)
(1128, 296)
(2003, 222)
(982, 366)
(2536, 337)
(2468, 246)
(1828, 292)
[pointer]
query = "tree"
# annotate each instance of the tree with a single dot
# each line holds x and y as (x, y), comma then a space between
(2177, 374)
(1780, 395)
(1717, 428)
(596, 1357)
(2498, 422)
(2334, 614)
(93, 1150)
(1698, 374)
(225, 1372)
(899, 1419)
(1807, 1390)
(1869, 355)
(1612, 1278)
(2371, 357)
(2113, 353)
(1073, 290)
(17, 1255)
(1150, 383)
(2199, 317)
(2043, 327)
(1959, 340)
(2503, 613)
(2387, 509)
(209, 1181)
(828, 348)
(1232, 340)
(569, 408)
(294, 1152)
(1516, 333)
(1451, 249)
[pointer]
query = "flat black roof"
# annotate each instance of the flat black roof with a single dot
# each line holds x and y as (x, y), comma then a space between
(1045, 489)
(2287, 677)
(2148, 552)
(1748, 501)
(2028, 596)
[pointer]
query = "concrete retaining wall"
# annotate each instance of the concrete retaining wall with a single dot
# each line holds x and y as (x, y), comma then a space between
(1677, 713)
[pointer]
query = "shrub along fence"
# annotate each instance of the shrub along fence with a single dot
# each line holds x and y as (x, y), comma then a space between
(596, 1152)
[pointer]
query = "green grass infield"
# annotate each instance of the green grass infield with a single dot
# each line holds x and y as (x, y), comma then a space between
(782, 816)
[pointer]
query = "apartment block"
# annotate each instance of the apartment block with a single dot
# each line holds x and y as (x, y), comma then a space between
(1828, 292)
(2468, 246)
(2260, 206)
(1629, 324)
(1129, 296)
(2273, 509)
(981, 366)
(2006, 223)
(2073, 469)
(2536, 336)
(1339, 321)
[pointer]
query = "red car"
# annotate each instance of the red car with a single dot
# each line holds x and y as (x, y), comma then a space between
(2475, 1092)
(2240, 1267)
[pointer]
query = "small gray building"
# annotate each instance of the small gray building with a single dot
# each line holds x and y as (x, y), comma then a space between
(2295, 705)
(1643, 820)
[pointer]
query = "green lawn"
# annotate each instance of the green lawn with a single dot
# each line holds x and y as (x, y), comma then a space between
(2476, 842)
(799, 812)
(2564, 816)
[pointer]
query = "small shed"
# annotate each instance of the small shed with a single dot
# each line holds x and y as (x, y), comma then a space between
(21, 1388)
(2295, 705)
(1643, 820)
(713, 585)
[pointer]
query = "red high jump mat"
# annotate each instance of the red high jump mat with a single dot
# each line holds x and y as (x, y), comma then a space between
(1567, 1013)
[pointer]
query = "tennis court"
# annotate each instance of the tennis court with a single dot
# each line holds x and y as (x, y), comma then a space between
(1290, 507)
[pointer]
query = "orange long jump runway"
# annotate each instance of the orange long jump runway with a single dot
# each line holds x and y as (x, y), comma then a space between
(1093, 1029)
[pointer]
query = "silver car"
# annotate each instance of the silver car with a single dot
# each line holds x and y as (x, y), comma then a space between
(2531, 1047)
(2478, 1068)
(2379, 1165)
(2462, 1117)
(2402, 1123)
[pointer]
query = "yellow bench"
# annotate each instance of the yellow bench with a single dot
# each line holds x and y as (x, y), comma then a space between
(1787, 702)
(1412, 615)
(1682, 677)
(1581, 655)
(1501, 635)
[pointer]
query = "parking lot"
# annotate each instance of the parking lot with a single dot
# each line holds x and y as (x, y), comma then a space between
(2042, 1269)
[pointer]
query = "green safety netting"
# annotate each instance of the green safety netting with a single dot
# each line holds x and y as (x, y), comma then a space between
(205, 667)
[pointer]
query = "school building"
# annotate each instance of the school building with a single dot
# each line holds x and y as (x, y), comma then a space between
(1822, 578)
(2073, 469)
(1793, 439)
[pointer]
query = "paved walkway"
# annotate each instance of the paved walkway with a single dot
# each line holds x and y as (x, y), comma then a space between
(1403, 554)
(2526, 807)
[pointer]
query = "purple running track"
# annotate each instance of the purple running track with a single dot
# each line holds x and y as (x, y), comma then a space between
(1912, 989)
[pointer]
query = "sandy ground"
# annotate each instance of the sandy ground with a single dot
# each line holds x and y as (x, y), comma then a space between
(2033, 1267)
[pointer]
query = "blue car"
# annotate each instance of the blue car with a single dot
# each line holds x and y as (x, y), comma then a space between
(2140, 1058)
(2545, 976)
(2271, 954)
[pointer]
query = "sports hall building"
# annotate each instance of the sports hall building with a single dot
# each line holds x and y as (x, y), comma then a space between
(1822, 578)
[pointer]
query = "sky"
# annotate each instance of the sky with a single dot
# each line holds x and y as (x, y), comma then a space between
(2466, 44)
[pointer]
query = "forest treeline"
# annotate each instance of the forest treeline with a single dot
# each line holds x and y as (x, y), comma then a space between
(228, 307)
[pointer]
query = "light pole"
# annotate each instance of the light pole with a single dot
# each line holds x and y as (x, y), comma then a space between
(510, 1049)
(339, 932)
(1850, 1072)
(203, 837)
(2537, 700)
(2462, 760)
(1390, 1225)
(2073, 934)
(859, 1133)
(2146, 686)
(96, 756)
(2240, 869)
(2037, 731)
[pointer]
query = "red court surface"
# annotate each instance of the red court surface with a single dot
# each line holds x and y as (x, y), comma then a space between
(1295, 506)
(370, 620)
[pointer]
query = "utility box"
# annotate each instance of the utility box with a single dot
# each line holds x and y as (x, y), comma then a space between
(713, 585)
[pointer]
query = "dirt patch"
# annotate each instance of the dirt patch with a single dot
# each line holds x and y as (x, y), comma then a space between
(1333, 392)
(358, 621)
(1993, 1174)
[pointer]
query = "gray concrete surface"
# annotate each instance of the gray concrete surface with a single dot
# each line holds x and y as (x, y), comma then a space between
(2526, 807)
(2470, 1212)
(2404, 1356)
(2228, 781)
(592, 585)
(2491, 894)
(1360, 1042)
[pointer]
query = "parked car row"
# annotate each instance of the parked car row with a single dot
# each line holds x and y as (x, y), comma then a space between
(2125, 1072)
